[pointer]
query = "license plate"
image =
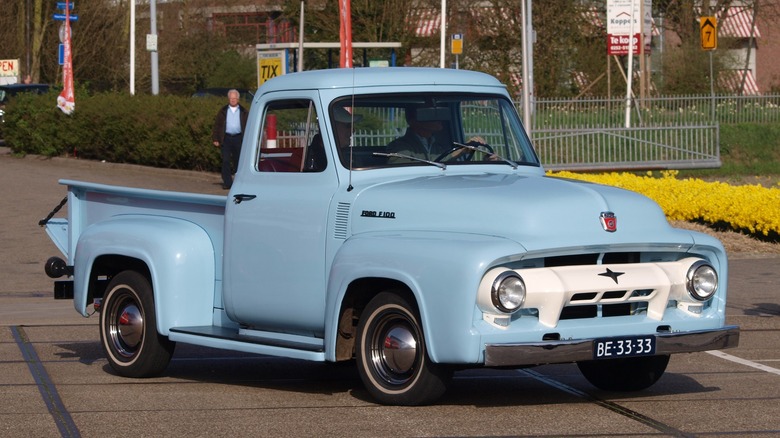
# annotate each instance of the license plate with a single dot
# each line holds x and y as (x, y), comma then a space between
(612, 348)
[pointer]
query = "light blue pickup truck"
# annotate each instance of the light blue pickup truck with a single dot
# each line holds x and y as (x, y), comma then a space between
(400, 218)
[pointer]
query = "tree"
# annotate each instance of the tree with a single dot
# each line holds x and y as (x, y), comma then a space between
(566, 47)
(686, 66)
(23, 28)
(195, 52)
(372, 21)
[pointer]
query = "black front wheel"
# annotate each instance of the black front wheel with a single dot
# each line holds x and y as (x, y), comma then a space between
(128, 328)
(627, 374)
(392, 359)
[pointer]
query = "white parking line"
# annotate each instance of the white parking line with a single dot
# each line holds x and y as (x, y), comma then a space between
(746, 362)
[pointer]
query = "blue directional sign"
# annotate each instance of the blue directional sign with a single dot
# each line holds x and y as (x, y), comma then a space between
(61, 54)
(61, 17)
(61, 5)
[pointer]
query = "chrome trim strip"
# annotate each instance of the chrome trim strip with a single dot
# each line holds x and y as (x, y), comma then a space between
(539, 353)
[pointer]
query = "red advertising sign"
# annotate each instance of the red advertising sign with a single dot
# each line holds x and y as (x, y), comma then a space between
(619, 44)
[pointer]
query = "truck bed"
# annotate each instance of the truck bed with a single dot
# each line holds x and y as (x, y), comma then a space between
(89, 203)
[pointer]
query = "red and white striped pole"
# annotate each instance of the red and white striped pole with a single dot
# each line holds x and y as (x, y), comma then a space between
(270, 131)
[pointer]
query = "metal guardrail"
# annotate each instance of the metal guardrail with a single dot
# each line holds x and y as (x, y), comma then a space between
(628, 148)
(680, 132)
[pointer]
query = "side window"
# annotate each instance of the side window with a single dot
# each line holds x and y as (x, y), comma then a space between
(290, 140)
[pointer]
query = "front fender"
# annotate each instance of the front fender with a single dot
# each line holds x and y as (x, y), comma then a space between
(180, 257)
(442, 270)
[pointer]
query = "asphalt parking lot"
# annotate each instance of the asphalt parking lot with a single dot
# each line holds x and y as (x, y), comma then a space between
(56, 382)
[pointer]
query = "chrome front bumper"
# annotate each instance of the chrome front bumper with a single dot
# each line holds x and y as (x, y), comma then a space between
(539, 353)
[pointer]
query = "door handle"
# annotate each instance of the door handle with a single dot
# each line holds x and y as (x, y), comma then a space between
(241, 197)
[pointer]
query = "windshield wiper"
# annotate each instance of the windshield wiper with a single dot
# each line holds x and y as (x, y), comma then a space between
(441, 166)
(490, 151)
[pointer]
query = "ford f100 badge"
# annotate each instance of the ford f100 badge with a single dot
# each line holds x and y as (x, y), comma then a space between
(608, 221)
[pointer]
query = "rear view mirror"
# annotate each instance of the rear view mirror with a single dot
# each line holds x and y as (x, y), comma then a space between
(433, 114)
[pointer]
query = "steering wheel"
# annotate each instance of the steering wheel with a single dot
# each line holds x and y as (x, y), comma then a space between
(468, 155)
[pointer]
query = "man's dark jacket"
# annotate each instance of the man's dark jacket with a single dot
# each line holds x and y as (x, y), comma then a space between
(218, 133)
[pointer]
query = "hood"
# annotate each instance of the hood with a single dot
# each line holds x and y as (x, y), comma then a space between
(537, 212)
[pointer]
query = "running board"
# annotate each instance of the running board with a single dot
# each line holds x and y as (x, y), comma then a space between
(269, 339)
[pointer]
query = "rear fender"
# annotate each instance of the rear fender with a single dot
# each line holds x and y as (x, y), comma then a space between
(179, 255)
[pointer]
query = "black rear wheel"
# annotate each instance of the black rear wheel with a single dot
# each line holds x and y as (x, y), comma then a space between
(128, 328)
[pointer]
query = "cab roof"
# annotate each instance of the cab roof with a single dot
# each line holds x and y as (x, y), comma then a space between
(377, 77)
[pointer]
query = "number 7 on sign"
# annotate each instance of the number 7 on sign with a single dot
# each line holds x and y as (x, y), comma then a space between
(708, 28)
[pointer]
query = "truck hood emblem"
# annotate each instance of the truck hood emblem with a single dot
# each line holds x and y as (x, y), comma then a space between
(608, 221)
(612, 274)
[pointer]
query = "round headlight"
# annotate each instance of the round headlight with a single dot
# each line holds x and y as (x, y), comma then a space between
(508, 292)
(702, 281)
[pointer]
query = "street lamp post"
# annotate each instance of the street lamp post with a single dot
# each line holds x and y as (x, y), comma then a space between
(300, 40)
(528, 75)
(132, 47)
(443, 30)
(155, 69)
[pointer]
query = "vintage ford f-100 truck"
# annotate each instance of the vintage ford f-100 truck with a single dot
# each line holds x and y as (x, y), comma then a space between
(343, 239)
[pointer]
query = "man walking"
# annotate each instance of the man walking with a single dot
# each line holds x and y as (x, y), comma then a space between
(228, 134)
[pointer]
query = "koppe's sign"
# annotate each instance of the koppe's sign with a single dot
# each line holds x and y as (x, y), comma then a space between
(623, 17)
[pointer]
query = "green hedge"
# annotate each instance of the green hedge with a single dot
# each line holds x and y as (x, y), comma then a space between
(161, 131)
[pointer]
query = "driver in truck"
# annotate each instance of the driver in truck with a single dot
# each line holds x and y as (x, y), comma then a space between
(420, 139)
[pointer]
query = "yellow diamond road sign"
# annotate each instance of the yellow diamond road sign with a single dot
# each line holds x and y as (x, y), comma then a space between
(708, 28)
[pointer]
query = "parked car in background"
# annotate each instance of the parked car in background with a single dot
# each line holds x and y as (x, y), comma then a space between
(7, 92)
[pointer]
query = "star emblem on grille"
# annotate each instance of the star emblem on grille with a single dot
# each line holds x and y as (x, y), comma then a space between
(612, 274)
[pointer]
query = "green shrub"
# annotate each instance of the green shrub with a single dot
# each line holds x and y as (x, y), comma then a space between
(161, 131)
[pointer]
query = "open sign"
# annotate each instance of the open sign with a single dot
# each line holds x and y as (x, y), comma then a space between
(9, 67)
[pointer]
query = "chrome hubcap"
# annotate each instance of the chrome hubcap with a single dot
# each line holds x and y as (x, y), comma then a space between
(395, 354)
(399, 350)
(127, 328)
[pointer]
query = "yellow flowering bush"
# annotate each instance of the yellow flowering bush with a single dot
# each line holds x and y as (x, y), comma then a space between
(750, 208)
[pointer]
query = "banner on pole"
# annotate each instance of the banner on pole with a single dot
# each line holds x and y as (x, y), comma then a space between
(66, 100)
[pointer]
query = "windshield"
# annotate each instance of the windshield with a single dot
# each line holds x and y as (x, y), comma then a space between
(429, 129)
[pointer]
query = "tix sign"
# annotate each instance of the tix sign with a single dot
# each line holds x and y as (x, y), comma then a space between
(270, 64)
(708, 29)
